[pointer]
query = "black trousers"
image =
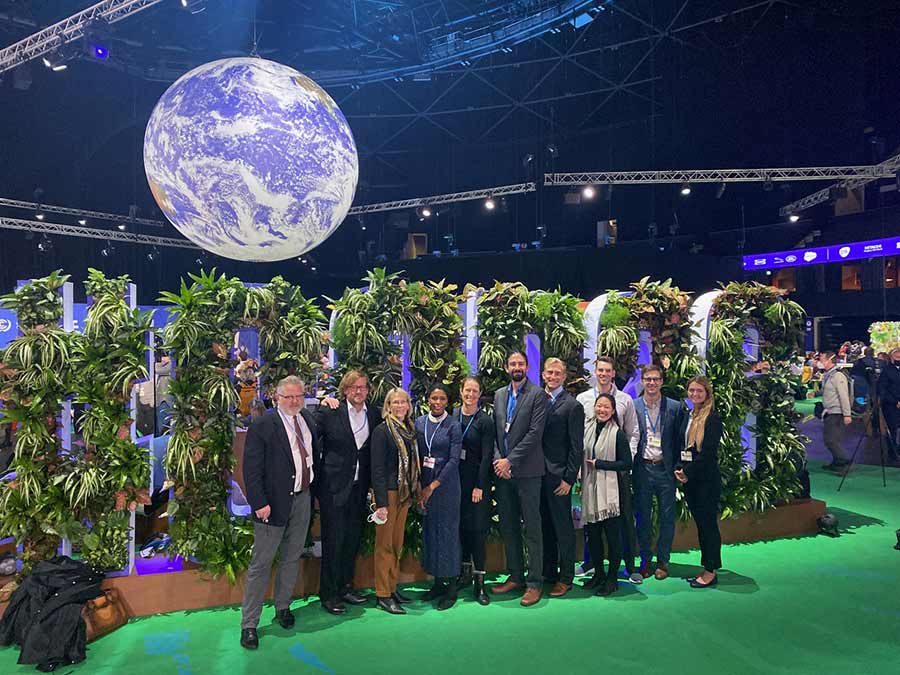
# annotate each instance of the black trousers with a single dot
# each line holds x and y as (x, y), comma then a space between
(558, 531)
(519, 500)
(629, 539)
(341, 532)
(473, 547)
(611, 530)
(703, 502)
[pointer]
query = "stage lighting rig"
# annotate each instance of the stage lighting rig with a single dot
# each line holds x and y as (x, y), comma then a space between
(685, 189)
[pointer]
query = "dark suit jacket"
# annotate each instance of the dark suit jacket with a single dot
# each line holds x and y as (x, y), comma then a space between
(523, 442)
(668, 423)
(269, 465)
(704, 465)
(563, 439)
(339, 453)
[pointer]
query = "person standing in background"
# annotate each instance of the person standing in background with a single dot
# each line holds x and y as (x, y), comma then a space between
(837, 411)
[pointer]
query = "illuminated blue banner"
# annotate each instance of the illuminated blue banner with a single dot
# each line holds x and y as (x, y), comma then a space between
(857, 250)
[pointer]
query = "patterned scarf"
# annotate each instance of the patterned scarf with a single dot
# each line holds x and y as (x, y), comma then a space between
(404, 435)
(599, 488)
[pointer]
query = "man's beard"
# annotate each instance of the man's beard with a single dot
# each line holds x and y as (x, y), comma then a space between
(517, 375)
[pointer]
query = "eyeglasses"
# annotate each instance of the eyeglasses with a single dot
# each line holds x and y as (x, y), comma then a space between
(291, 398)
(652, 379)
(358, 387)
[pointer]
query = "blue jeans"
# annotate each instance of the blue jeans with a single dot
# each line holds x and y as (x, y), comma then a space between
(649, 480)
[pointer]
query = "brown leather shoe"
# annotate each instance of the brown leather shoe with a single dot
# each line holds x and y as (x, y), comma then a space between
(508, 587)
(560, 589)
(645, 571)
(532, 595)
(662, 571)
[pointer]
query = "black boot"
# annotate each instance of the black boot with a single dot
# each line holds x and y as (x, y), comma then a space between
(437, 590)
(465, 579)
(480, 596)
(449, 598)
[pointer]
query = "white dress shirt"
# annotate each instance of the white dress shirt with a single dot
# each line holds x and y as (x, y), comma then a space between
(288, 422)
(359, 424)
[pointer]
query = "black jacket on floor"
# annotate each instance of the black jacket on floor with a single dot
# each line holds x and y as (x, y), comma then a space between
(44, 613)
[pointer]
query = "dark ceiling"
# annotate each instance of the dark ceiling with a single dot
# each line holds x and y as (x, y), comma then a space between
(454, 95)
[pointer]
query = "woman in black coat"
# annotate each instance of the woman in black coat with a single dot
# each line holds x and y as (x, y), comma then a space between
(475, 484)
(697, 470)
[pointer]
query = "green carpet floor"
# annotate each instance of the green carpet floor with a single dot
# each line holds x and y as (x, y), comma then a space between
(805, 605)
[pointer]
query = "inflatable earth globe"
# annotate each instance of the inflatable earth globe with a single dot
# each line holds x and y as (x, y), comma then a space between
(250, 160)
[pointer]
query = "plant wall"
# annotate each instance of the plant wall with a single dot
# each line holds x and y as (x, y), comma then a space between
(35, 507)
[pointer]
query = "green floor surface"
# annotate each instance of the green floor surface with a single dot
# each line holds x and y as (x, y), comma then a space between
(804, 605)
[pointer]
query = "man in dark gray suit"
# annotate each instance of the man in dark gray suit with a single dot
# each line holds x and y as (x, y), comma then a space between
(563, 444)
(519, 413)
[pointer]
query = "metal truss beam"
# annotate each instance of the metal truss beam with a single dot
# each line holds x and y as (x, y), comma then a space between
(892, 165)
(499, 191)
(92, 233)
(69, 30)
(722, 175)
(80, 213)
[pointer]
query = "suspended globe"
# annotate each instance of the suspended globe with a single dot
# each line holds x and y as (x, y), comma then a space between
(250, 160)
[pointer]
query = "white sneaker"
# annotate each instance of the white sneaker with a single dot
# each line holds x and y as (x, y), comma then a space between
(636, 578)
(581, 571)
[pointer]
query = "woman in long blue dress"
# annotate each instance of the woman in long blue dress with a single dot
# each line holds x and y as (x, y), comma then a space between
(440, 444)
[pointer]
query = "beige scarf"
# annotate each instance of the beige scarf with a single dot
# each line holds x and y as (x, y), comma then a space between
(599, 488)
(404, 435)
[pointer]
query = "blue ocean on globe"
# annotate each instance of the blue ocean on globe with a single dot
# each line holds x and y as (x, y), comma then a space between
(251, 160)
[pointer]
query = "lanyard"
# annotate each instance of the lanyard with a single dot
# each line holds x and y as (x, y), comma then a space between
(362, 426)
(471, 419)
(511, 404)
(428, 441)
(653, 425)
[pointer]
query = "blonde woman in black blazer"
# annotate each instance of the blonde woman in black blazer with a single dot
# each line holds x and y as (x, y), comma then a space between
(697, 470)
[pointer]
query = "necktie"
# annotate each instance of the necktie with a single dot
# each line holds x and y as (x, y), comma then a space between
(304, 481)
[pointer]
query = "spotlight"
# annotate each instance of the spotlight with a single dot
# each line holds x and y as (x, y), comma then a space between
(153, 254)
(768, 273)
(363, 228)
(552, 150)
(122, 227)
(768, 186)
(39, 214)
(793, 217)
(588, 192)
(107, 250)
(685, 189)
(54, 63)
(99, 51)
(424, 212)
(194, 6)
(720, 190)
(82, 221)
(313, 268)
(45, 244)
(828, 524)
(490, 204)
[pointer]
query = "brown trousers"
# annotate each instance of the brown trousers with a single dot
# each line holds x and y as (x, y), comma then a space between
(389, 546)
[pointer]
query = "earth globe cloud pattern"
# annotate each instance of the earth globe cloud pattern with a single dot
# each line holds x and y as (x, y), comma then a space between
(251, 160)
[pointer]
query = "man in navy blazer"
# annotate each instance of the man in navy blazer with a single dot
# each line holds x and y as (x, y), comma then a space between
(281, 462)
(520, 410)
(654, 470)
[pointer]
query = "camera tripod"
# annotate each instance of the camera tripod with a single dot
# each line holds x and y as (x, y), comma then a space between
(873, 420)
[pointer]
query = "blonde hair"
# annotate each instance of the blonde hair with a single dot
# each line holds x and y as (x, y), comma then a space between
(701, 412)
(391, 395)
(349, 378)
(554, 361)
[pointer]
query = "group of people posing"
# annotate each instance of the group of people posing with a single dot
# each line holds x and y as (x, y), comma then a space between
(532, 449)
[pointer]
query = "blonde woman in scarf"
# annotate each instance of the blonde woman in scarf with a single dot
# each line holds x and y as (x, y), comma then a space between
(395, 482)
(604, 479)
